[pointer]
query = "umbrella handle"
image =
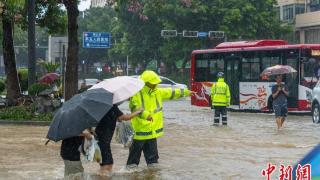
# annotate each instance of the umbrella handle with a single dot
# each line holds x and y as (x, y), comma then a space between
(47, 142)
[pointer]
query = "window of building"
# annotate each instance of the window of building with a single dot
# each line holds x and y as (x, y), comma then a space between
(312, 36)
(314, 5)
(300, 8)
(288, 12)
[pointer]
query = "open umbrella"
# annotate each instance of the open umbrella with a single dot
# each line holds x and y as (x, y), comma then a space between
(278, 69)
(49, 78)
(82, 111)
(122, 87)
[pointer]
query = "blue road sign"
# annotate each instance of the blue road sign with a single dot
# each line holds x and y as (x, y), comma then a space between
(202, 34)
(96, 40)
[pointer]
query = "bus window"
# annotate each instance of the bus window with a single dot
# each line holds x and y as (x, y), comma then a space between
(216, 65)
(201, 70)
(270, 59)
(250, 67)
(309, 72)
(291, 80)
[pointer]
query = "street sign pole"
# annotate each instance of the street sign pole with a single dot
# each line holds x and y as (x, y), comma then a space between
(127, 65)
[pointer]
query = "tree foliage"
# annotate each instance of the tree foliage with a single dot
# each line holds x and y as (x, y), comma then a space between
(141, 22)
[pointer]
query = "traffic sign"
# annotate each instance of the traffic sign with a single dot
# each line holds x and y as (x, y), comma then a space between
(190, 33)
(216, 34)
(202, 34)
(169, 33)
(96, 40)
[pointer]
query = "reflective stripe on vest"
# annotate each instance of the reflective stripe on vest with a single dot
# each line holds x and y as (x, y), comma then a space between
(159, 109)
(222, 103)
(181, 92)
(144, 133)
(149, 133)
(142, 100)
(159, 130)
(172, 93)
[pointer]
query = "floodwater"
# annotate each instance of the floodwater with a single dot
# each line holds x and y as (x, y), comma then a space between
(190, 149)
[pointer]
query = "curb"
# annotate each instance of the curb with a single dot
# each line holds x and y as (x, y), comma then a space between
(23, 122)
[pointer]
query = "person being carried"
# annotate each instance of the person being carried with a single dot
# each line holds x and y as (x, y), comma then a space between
(280, 93)
(104, 132)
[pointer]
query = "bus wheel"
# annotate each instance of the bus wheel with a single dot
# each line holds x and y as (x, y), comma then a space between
(316, 113)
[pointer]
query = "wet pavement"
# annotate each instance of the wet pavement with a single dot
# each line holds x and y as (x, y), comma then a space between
(190, 149)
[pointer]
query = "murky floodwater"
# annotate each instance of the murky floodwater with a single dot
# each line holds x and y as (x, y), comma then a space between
(190, 148)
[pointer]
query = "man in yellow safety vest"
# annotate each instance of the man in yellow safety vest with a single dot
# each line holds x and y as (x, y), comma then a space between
(220, 97)
(148, 126)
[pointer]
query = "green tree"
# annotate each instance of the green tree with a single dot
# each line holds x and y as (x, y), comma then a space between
(141, 27)
(96, 20)
(13, 12)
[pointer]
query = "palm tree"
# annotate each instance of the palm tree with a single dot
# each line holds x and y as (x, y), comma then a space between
(50, 67)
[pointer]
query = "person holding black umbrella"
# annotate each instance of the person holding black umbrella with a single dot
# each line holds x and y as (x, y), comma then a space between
(104, 132)
(70, 153)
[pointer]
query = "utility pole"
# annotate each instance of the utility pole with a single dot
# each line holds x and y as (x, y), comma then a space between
(63, 69)
(127, 69)
(31, 43)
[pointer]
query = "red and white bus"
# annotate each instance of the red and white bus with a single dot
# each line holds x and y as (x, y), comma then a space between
(242, 63)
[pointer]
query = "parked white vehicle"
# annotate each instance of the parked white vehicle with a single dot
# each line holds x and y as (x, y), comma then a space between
(316, 103)
(166, 82)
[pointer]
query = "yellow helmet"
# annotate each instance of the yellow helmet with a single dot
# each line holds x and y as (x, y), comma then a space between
(150, 77)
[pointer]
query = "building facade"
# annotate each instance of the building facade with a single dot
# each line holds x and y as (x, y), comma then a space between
(304, 15)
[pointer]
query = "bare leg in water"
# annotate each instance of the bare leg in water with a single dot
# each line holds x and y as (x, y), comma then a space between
(279, 122)
(282, 120)
(105, 170)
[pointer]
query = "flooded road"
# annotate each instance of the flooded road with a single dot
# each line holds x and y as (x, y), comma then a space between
(190, 149)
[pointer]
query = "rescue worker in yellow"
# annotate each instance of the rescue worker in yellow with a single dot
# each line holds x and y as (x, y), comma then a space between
(148, 126)
(220, 98)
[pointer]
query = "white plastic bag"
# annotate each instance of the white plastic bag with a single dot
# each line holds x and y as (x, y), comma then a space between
(124, 133)
(91, 150)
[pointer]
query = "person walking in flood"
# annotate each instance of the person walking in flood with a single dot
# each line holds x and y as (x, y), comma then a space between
(104, 132)
(220, 98)
(148, 126)
(280, 93)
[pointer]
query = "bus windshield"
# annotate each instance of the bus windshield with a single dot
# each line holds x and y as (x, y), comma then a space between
(310, 69)
(208, 66)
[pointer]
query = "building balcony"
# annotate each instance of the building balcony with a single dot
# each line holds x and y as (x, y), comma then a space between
(307, 20)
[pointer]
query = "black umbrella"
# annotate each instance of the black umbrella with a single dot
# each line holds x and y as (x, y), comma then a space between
(82, 111)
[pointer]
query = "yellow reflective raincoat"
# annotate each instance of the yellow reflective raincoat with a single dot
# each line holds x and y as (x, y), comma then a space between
(220, 93)
(152, 103)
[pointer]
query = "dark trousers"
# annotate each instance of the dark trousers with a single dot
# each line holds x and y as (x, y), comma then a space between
(220, 110)
(104, 137)
(149, 148)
